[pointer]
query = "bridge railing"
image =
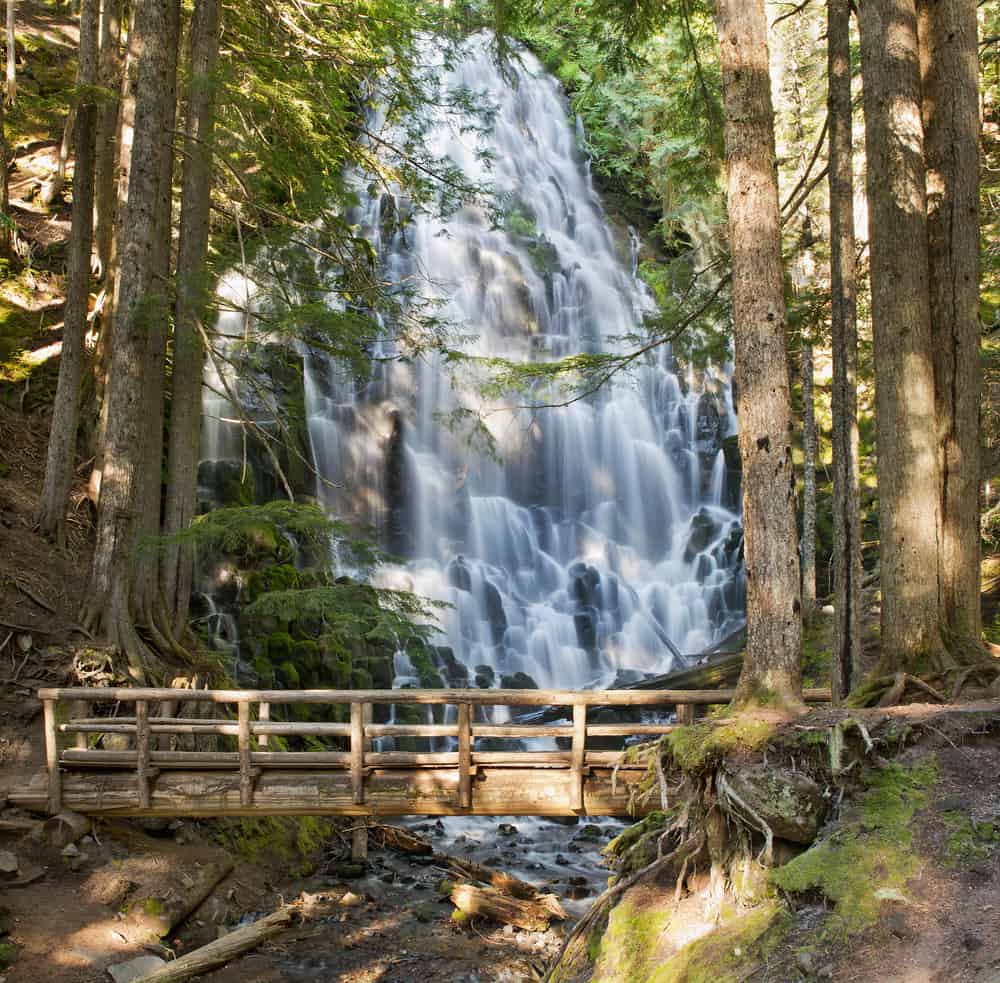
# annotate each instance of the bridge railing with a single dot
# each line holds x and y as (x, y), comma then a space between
(153, 717)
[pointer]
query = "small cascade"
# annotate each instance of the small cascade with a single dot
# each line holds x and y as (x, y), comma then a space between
(600, 541)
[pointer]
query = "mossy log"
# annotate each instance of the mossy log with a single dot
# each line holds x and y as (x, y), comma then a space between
(150, 918)
(487, 902)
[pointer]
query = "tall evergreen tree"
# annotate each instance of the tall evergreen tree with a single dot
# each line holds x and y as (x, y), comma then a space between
(949, 61)
(846, 667)
(108, 609)
(908, 460)
(191, 303)
(61, 460)
(771, 669)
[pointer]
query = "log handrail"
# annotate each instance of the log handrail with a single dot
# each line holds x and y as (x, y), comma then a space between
(254, 753)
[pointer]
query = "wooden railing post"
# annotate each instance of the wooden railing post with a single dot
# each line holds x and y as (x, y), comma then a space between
(578, 756)
(358, 752)
(685, 713)
(79, 709)
(263, 715)
(52, 757)
(142, 752)
(464, 756)
(243, 746)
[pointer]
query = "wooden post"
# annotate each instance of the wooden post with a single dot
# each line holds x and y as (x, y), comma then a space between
(464, 756)
(52, 757)
(243, 745)
(685, 713)
(79, 709)
(358, 752)
(359, 842)
(142, 752)
(578, 755)
(264, 714)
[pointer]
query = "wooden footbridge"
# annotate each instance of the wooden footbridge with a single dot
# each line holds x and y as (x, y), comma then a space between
(127, 752)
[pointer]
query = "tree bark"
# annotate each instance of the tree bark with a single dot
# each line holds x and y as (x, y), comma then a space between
(949, 62)
(808, 483)
(12, 54)
(54, 188)
(110, 72)
(192, 299)
(147, 600)
(847, 571)
(136, 310)
(908, 465)
(61, 459)
(771, 670)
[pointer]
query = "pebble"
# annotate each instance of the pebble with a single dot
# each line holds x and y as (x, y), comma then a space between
(8, 863)
(71, 850)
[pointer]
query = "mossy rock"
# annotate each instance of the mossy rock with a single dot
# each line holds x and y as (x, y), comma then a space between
(700, 747)
(307, 654)
(280, 647)
(288, 673)
(361, 679)
(869, 859)
(336, 666)
(789, 802)
(518, 680)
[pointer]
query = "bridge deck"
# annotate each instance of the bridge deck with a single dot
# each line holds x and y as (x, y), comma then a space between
(166, 758)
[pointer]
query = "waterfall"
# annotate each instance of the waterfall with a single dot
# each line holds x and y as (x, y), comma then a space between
(599, 543)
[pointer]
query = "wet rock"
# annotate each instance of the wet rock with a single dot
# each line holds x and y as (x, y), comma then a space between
(791, 803)
(705, 529)
(507, 829)
(584, 584)
(518, 680)
(708, 425)
(485, 677)
(589, 832)
(135, 969)
(495, 614)
(585, 622)
(459, 574)
(347, 871)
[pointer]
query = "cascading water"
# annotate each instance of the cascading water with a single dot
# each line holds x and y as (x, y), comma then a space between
(603, 542)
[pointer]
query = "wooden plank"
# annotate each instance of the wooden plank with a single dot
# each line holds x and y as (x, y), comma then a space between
(264, 715)
(52, 758)
(685, 715)
(578, 752)
(464, 756)
(359, 843)
(629, 730)
(411, 730)
(142, 752)
(357, 753)
(243, 747)
(497, 791)
(477, 697)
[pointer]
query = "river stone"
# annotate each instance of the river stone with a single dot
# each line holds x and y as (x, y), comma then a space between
(790, 802)
(135, 969)
(8, 864)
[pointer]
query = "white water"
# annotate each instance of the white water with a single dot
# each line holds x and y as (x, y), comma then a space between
(569, 559)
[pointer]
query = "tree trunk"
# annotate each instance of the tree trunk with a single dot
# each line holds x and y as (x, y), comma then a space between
(846, 669)
(6, 226)
(772, 669)
(135, 311)
(192, 299)
(122, 174)
(107, 135)
(950, 73)
(146, 597)
(12, 55)
(908, 467)
(72, 361)
(808, 484)
(53, 190)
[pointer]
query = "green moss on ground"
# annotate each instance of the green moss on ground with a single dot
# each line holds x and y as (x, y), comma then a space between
(870, 858)
(631, 948)
(698, 747)
(293, 843)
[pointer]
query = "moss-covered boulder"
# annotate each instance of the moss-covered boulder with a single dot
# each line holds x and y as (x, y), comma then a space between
(789, 802)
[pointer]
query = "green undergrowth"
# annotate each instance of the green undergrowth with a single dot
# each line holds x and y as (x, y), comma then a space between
(869, 858)
(969, 841)
(698, 747)
(293, 843)
(631, 949)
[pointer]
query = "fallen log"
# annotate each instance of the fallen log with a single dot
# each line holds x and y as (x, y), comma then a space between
(65, 828)
(394, 838)
(487, 902)
(152, 916)
(222, 951)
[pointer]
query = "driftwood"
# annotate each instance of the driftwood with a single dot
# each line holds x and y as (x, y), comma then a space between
(394, 838)
(487, 902)
(223, 950)
(151, 917)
